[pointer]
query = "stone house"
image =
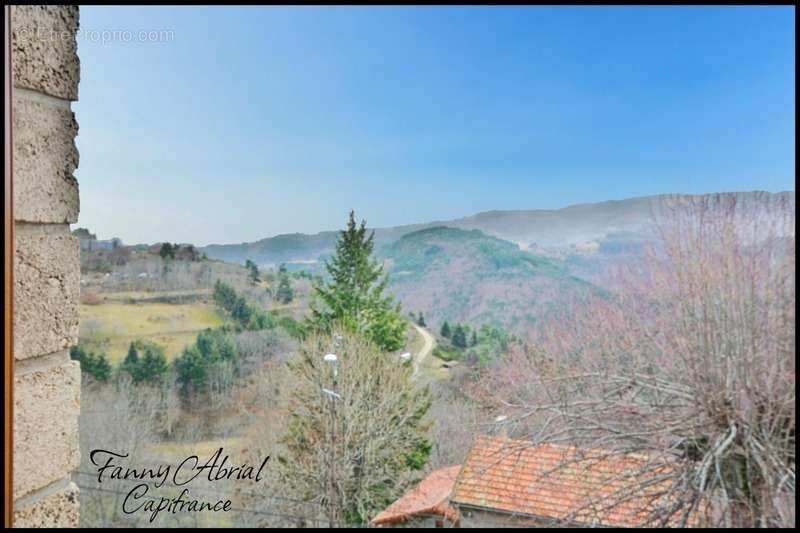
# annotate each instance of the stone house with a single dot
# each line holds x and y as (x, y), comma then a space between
(426, 505)
(515, 483)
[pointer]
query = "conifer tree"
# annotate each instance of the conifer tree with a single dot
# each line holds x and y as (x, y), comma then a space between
(96, 365)
(459, 339)
(445, 331)
(167, 251)
(212, 347)
(285, 293)
(354, 296)
(131, 362)
(224, 295)
(151, 366)
(102, 368)
(252, 271)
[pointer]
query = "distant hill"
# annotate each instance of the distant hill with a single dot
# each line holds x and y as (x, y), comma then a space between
(293, 247)
(468, 276)
(577, 228)
(506, 267)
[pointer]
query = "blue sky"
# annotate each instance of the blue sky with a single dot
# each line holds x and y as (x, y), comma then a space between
(256, 121)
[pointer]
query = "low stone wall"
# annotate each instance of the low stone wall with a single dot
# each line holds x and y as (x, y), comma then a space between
(46, 73)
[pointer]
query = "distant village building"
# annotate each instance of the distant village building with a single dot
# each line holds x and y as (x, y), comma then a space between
(88, 241)
(84, 238)
(110, 244)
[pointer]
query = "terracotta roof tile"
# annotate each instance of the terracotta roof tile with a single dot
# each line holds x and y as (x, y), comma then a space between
(429, 497)
(557, 481)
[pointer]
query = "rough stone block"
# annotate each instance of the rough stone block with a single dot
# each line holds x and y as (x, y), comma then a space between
(45, 159)
(46, 289)
(59, 509)
(46, 408)
(43, 40)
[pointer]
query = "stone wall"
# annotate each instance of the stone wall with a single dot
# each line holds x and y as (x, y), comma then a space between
(471, 517)
(46, 72)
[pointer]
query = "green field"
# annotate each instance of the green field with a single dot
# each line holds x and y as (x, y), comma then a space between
(112, 325)
(176, 451)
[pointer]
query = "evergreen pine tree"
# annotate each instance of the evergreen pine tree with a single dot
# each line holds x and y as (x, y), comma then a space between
(459, 339)
(421, 320)
(96, 365)
(102, 368)
(131, 362)
(285, 292)
(153, 365)
(76, 353)
(241, 312)
(252, 271)
(212, 347)
(167, 251)
(474, 340)
(355, 295)
(224, 296)
(150, 366)
(445, 331)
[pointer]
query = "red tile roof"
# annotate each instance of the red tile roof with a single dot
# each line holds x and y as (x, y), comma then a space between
(430, 497)
(556, 481)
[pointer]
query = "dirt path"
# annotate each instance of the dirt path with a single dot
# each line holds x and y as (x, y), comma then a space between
(427, 348)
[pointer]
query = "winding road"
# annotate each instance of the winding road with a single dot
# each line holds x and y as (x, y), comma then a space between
(427, 348)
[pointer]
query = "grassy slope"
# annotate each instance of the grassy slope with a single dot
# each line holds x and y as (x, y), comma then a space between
(111, 326)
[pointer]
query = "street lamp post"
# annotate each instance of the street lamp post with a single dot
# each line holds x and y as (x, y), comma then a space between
(332, 360)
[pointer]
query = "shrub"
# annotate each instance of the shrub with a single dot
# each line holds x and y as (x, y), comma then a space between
(145, 362)
(212, 346)
(96, 365)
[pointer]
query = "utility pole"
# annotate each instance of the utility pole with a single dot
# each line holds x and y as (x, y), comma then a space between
(333, 361)
(333, 458)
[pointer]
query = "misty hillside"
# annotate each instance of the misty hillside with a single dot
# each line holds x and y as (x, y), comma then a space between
(288, 248)
(468, 276)
(583, 228)
(510, 268)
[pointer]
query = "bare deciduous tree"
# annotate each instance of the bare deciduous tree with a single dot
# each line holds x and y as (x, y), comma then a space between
(691, 363)
(355, 437)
